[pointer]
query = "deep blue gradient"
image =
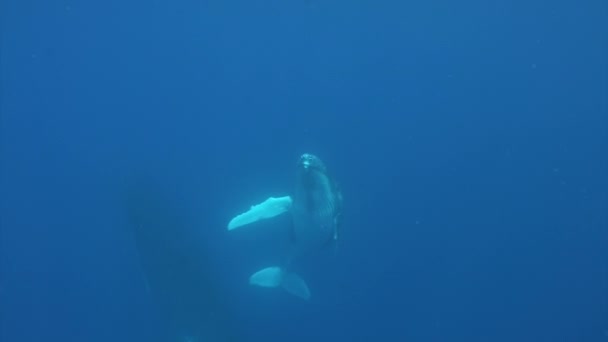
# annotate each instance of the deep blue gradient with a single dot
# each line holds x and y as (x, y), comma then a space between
(470, 139)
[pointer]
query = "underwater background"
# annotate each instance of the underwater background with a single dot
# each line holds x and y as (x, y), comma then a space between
(469, 139)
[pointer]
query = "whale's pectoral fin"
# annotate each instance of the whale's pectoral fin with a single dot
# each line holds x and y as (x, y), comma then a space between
(276, 276)
(271, 207)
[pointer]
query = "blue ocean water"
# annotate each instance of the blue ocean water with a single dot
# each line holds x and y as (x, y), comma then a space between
(469, 139)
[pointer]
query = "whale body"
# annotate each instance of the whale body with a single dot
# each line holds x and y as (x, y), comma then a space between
(315, 208)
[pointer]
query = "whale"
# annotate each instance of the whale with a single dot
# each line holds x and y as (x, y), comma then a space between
(315, 207)
(176, 269)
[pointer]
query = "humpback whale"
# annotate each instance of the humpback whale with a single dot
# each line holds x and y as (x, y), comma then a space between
(177, 271)
(315, 209)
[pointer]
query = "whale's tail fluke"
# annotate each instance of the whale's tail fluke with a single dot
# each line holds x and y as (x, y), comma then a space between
(279, 277)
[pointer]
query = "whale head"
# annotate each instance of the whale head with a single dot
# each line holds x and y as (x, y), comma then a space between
(311, 174)
(309, 162)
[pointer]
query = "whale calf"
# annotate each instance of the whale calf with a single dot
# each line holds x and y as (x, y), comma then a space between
(315, 208)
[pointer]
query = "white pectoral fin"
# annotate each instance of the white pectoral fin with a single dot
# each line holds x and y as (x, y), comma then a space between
(278, 277)
(271, 207)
